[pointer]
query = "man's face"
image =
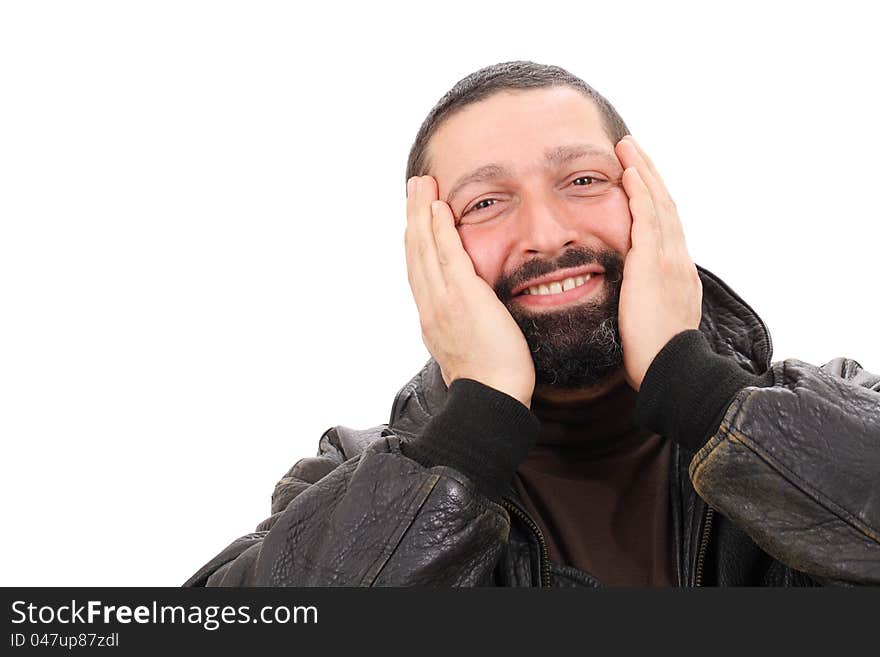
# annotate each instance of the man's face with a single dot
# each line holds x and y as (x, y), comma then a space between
(533, 219)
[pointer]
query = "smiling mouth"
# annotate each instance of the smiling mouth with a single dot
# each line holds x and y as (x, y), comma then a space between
(557, 287)
(560, 292)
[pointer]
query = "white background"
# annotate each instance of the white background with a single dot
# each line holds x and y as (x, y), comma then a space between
(202, 206)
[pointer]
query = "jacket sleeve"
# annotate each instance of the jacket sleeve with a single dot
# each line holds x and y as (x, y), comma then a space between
(793, 459)
(384, 517)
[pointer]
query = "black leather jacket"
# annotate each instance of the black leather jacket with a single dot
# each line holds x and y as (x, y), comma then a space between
(786, 493)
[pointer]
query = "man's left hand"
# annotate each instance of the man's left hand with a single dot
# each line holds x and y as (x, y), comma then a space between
(661, 294)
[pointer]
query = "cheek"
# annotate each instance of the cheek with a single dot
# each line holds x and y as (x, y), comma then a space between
(610, 221)
(487, 248)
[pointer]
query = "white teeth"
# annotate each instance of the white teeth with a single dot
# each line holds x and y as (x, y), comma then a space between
(558, 286)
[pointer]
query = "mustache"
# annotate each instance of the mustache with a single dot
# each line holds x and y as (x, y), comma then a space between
(610, 261)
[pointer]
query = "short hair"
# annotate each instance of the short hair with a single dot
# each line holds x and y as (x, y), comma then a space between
(506, 76)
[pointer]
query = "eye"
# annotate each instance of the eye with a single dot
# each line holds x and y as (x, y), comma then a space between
(475, 214)
(591, 185)
(479, 205)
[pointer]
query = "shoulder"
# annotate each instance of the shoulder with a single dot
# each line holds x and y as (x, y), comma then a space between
(852, 371)
(337, 445)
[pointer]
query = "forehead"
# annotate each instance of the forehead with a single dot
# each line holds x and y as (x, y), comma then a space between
(515, 127)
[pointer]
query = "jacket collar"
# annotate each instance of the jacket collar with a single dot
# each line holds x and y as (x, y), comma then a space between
(732, 328)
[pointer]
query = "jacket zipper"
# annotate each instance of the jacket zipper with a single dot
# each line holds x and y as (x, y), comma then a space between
(544, 558)
(704, 545)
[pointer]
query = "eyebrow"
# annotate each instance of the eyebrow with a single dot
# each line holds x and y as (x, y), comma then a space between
(552, 157)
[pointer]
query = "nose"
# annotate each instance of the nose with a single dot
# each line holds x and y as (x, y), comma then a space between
(545, 230)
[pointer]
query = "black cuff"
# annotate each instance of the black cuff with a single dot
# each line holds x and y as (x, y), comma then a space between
(687, 390)
(481, 432)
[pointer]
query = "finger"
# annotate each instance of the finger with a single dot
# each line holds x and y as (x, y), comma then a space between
(667, 212)
(649, 164)
(630, 156)
(454, 261)
(418, 258)
(670, 218)
(420, 245)
(414, 273)
(645, 232)
(414, 269)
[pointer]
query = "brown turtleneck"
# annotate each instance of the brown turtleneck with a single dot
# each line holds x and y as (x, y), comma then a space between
(595, 477)
(598, 487)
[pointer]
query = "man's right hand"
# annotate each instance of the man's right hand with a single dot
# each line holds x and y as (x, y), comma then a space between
(465, 326)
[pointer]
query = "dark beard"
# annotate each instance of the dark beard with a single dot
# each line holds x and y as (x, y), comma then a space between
(577, 346)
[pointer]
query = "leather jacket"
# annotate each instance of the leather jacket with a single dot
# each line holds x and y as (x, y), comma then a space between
(785, 493)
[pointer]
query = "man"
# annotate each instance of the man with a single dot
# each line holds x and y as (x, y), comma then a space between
(597, 409)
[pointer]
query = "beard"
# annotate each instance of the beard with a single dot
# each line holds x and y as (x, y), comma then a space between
(575, 346)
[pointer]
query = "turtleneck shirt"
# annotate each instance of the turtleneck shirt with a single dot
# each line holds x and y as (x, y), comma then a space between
(597, 485)
(594, 477)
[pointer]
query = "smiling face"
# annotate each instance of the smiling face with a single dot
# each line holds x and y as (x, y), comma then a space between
(534, 184)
